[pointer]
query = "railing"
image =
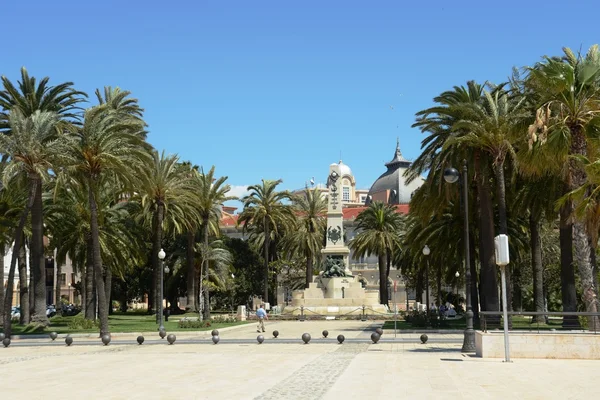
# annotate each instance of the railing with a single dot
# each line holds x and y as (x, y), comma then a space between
(366, 313)
(567, 323)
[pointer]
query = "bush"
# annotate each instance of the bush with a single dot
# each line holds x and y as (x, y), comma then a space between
(420, 319)
(195, 323)
(78, 322)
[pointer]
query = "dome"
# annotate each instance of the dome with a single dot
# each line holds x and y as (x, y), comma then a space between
(391, 186)
(344, 169)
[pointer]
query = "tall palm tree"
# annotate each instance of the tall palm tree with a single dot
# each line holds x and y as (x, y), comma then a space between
(33, 148)
(211, 193)
(438, 122)
(12, 204)
(167, 199)
(264, 208)
(490, 126)
(307, 239)
(106, 146)
(378, 229)
(568, 89)
(29, 97)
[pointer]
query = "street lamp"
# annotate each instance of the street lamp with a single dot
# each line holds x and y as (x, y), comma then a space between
(456, 275)
(161, 256)
(426, 252)
(451, 175)
(232, 289)
(69, 285)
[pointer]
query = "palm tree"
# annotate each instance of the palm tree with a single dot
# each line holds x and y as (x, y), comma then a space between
(438, 122)
(33, 149)
(568, 90)
(29, 97)
(378, 229)
(12, 203)
(167, 198)
(264, 209)
(307, 239)
(218, 261)
(490, 126)
(106, 146)
(212, 193)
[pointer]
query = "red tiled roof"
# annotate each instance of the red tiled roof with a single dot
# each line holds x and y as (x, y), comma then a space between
(229, 219)
(350, 214)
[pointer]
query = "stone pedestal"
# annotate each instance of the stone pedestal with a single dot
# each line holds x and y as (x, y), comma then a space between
(335, 297)
(241, 313)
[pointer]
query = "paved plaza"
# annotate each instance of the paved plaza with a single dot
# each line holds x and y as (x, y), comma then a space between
(283, 368)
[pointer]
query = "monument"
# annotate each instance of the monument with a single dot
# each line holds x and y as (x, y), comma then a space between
(335, 291)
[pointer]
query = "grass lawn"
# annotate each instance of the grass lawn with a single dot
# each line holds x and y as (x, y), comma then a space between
(519, 323)
(128, 322)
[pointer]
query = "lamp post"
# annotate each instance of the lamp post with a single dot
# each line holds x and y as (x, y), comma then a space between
(232, 289)
(161, 256)
(426, 252)
(69, 285)
(451, 175)
(456, 275)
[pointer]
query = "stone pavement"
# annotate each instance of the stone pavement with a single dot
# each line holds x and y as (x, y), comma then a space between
(274, 370)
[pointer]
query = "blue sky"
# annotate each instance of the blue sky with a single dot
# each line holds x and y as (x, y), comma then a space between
(278, 89)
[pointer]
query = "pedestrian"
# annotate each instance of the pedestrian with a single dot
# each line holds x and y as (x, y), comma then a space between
(262, 315)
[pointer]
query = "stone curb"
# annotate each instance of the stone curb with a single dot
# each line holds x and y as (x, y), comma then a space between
(116, 335)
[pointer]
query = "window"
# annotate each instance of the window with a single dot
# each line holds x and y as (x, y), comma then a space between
(63, 279)
(363, 198)
(345, 193)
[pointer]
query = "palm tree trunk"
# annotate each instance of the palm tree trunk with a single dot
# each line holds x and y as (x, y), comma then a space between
(582, 251)
(578, 178)
(108, 289)
(537, 267)
(567, 271)
(206, 272)
(594, 263)
(474, 280)
(97, 259)
(309, 268)
(8, 295)
(23, 285)
(37, 257)
(31, 292)
(2, 283)
(83, 291)
(90, 305)
(489, 284)
(266, 255)
(191, 272)
(58, 267)
(156, 264)
(419, 287)
(383, 295)
(503, 230)
(439, 286)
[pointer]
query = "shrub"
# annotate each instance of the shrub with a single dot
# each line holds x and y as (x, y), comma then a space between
(195, 323)
(78, 322)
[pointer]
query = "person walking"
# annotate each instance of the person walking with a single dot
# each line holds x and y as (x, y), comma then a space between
(262, 315)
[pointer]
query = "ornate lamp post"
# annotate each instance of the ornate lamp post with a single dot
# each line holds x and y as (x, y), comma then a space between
(426, 252)
(451, 175)
(456, 275)
(161, 256)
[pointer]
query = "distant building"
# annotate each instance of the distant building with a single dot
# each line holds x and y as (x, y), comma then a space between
(390, 188)
(66, 280)
(351, 196)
